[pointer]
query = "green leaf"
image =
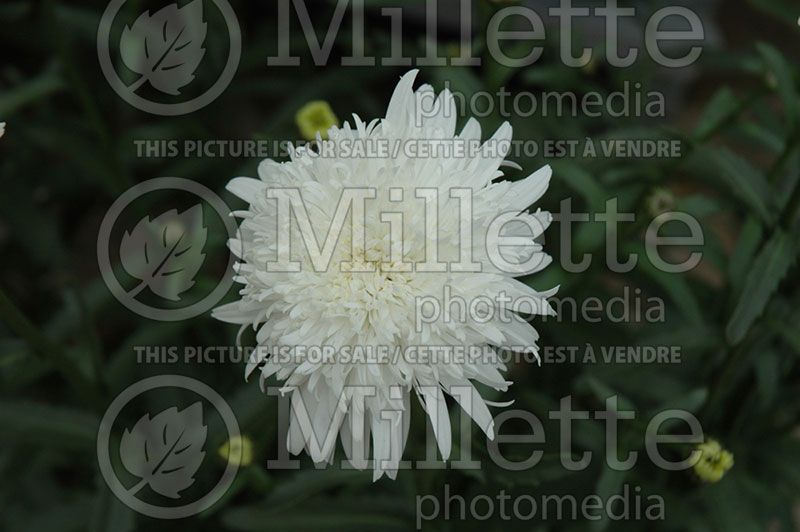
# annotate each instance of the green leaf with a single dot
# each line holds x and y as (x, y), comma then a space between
(744, 181)
(690, 401)
(784, 78)
(582, 182)
(769, 269)
(722, 108)
(760, 136)
(698, 205)
(749, 239)
(676, 286)
(28, 92)
(603, 391)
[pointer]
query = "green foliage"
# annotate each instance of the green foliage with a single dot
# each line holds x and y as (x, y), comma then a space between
(66, 345)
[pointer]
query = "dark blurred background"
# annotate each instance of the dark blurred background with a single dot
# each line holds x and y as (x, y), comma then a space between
(67, 345)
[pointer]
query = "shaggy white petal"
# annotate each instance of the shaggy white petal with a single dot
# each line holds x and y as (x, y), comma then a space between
(366, 402)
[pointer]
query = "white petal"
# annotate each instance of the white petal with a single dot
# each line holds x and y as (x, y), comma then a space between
(527, 191)
(246, 188)
(473, 404)
(436, 407)
(402, 103)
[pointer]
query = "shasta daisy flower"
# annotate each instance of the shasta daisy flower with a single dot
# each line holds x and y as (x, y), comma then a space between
(379, 269)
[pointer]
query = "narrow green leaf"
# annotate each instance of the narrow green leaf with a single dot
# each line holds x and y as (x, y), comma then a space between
(603, 392)
(744, 182)
(768, 270)
(690, 401)
(723, 107)
(784, 79)
(698, 205)
(28, 92)
(750, 238)
(676, 287)
(583, 183)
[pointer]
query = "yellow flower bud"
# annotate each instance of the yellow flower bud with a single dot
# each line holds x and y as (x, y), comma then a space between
(238, 449)
(714, 461)
(315, 117)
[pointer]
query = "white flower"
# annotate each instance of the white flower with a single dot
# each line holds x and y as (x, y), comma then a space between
(363, 400)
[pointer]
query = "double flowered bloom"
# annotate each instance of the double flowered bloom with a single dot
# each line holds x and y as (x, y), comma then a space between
(373, 301)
